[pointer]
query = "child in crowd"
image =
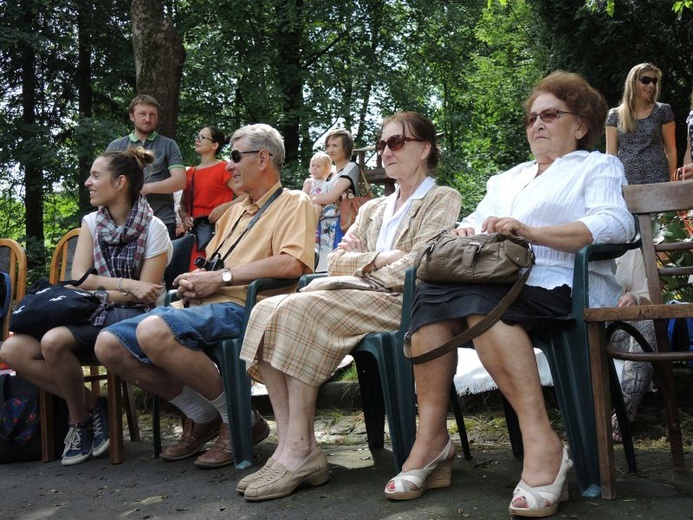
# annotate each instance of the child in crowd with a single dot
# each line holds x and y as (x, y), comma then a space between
(320, 169)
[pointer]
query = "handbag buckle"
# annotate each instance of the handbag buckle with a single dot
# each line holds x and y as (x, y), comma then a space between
(477, 245)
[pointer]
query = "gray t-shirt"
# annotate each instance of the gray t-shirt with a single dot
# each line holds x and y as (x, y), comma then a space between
(167, 156)
(642, 151)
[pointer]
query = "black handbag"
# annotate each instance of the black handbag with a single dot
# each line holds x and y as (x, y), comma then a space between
(204, 231)
(47, 306)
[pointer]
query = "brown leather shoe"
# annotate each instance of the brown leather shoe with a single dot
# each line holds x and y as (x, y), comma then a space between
(220, 453)
(195, 436)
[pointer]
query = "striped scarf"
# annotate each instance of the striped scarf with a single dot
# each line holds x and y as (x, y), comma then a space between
(118, 251)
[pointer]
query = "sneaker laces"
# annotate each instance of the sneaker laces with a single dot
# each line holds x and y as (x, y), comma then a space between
(97, 424)
(73, 439)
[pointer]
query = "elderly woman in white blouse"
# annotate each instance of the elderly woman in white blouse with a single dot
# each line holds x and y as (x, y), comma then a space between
(565, 199)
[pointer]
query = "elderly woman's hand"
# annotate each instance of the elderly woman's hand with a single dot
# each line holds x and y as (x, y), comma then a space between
(507, 225)
(351, 244)
(464, 231)
(628, 300)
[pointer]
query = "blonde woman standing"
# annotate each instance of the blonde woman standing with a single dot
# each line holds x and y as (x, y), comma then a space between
(641, 131)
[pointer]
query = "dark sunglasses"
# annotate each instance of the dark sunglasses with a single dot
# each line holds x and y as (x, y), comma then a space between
(646, 80)
(547, 116)
(237, 155)
(394, 143)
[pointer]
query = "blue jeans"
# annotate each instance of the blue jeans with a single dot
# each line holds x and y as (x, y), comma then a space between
(195, 327)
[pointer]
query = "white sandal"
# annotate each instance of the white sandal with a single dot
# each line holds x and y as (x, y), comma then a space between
(436, 474)
(543, 500)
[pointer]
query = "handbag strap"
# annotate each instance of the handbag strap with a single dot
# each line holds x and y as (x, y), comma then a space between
(255, 218)
(79, 282)
(192, 191)
(480, 327)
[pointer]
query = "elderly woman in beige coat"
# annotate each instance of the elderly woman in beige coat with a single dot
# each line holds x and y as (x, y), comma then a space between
(294, 343)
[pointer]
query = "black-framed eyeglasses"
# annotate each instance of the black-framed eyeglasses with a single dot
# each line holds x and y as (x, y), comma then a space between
(394, 143)
(547, 116)
(200, 137)
(237, 155)
(646, 80)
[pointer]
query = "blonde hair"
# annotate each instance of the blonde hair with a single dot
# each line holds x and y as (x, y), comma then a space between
(323, 158)
(627, 121)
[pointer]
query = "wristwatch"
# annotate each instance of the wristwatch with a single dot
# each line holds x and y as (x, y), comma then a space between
(227, 277)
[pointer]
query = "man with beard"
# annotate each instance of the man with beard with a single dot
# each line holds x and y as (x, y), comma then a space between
(167, 174)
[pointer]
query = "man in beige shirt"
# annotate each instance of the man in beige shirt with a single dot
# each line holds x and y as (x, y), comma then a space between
(270, 234)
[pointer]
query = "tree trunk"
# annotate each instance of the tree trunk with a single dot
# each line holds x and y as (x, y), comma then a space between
(85, 101)
(288, 43)
(159, 58)
(33, 174)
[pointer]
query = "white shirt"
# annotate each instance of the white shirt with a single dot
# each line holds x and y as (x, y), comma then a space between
(392, 219)
(580, 186)
(630, 273)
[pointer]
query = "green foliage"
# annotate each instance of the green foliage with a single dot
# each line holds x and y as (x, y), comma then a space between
(305, 66)
(680, 5)
(675, 287)
(455, 171)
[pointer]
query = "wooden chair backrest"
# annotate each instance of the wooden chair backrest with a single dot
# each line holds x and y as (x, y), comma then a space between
(61, 262)
(13, 262)
(664, 255)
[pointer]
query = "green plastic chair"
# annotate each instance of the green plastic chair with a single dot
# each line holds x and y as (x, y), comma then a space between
(568, 357)
(386, 382)
(235, 379)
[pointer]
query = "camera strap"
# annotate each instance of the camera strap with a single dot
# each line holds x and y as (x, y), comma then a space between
(250, 225)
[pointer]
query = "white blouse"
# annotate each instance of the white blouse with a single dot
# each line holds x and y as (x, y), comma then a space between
(392, 219)
(580, 186)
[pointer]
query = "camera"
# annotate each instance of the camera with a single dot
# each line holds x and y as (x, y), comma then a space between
(212, 264)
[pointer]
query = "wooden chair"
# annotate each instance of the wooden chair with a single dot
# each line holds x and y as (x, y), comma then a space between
(663, 260)
(13, 262)
(120, 394)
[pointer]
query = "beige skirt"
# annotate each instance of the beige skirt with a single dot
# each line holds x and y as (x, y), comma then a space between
(306, 335)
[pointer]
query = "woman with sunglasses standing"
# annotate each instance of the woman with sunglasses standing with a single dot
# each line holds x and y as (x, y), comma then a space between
(293, 343)
(208, 192)
(565, 199)
(641, 131)
(339, 145)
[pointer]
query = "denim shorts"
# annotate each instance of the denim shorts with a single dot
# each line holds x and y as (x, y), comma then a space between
(195, 327)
